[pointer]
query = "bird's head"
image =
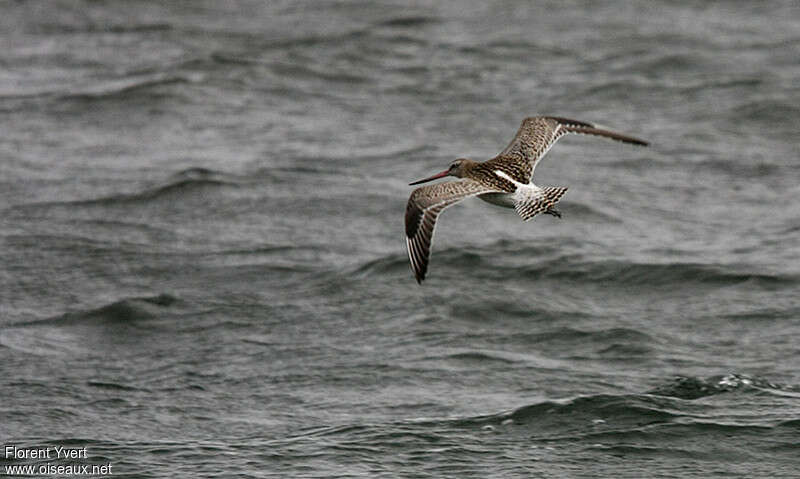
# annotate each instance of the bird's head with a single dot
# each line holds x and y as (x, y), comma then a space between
(457, 168)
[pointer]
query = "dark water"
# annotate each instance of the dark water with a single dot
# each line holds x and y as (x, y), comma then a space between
(204, 273)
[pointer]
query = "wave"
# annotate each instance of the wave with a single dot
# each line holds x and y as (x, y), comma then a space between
(124, 321)
(314, 40)
(293, 71)
(687, 387)
(123, 311)
(469, 257)
(108, 89)
(197, 183)
(63, 28)
(638, 424)
(385, 265)
(180, 188)
(310, 40)
(111, 386)
(652, 274)
(185, 182)
(75, 333)
(582, 413)
(623, 273)
(545, 262)
(410, 21)
(123, 87)
(299, 72)
(623, 344)
(603, 336)
(473, 357)
(664, 404)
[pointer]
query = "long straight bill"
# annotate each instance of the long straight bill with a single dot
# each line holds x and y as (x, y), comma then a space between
(434, 177)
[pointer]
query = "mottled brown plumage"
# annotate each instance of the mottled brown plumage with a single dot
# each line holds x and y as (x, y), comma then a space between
(505, 180)
(485, 172)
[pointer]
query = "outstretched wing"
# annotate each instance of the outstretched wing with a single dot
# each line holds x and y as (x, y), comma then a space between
(538, 133)
(424, 206)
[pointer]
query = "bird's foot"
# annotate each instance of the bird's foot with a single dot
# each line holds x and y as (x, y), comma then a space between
(553, 211)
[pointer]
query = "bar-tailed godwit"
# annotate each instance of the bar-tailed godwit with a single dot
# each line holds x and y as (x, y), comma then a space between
(505, 180)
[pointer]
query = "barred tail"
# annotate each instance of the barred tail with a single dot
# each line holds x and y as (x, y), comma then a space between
(542, 201)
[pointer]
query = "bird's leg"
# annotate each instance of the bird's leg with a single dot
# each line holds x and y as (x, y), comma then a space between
(552, 211)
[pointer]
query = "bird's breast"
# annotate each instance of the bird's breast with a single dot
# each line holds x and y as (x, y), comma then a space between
(505, 200)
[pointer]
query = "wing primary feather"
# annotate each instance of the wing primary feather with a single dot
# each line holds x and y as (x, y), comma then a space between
(584, 130)
(423, 208)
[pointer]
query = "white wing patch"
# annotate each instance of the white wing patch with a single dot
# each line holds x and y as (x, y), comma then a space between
(502, 174)
(530, 200)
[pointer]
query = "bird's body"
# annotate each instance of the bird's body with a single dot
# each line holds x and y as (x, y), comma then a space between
(505, 180)
(505, 200)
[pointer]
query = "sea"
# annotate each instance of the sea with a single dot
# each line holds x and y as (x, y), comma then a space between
(203, 267)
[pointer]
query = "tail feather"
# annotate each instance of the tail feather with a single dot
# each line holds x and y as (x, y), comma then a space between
(529, 206)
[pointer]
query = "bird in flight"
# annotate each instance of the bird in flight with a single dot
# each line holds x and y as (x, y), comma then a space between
(505, 180)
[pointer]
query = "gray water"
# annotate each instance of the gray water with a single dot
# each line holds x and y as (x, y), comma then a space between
(204, 272)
